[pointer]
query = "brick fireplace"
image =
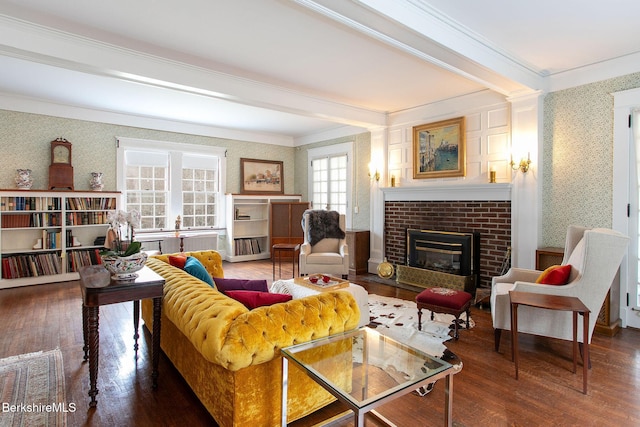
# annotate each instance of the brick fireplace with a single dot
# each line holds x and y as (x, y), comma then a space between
(491, 218)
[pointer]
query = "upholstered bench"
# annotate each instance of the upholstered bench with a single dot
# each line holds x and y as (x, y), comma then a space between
(443, 300)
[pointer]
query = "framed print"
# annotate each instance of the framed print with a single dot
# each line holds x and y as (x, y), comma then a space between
(439, 149)
(261, 177)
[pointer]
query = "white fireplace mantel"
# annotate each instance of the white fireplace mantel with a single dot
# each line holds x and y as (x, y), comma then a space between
(448, 192)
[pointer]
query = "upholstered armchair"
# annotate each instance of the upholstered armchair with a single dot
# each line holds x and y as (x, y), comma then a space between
(324, 249)
(594, 256)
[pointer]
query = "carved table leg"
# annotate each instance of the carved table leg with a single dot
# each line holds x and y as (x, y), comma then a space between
(136, 323)
(85, 330)
(94, 348)
(155, 349)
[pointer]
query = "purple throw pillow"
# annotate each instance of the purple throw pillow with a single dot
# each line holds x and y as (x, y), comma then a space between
(224, 285)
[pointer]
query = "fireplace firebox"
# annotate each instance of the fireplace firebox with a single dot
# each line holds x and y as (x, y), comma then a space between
(441, 258)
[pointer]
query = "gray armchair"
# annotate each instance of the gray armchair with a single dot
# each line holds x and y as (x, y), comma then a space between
(324, 249)
(594, 255)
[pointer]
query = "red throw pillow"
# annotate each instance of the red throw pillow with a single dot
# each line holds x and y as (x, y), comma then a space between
(555, 275)
(253, 299)
(178, 261)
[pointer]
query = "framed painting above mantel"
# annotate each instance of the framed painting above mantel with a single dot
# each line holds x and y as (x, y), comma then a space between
(439, 149)
(261, 176)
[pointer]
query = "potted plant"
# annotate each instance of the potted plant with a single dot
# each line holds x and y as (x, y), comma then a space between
(122, 255)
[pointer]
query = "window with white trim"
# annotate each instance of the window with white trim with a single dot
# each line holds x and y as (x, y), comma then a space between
(163, 180)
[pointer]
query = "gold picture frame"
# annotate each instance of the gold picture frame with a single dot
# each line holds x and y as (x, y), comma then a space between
(439, 149)
(261, 176)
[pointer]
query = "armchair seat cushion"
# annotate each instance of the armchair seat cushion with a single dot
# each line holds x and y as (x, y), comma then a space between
(324, 258)
(326, 245)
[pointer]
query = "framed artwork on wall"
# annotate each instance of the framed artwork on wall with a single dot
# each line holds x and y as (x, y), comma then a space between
(261, 177)
(439, 149)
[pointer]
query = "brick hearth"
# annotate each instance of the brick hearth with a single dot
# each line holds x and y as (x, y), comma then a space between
(492, 219)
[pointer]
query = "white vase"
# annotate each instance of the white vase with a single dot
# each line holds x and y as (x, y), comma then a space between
(23, 179)
(96, 181)
(124, 268)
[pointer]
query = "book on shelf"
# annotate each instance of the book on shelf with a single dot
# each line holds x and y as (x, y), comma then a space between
(247, 246)
(30, 265)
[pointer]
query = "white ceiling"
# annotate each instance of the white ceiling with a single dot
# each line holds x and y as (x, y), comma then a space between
(289, 72)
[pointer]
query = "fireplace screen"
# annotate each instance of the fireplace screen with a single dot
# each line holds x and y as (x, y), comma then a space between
(441, 251)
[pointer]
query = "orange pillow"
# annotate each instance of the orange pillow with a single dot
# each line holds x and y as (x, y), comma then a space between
(555, 275)
(178, 261)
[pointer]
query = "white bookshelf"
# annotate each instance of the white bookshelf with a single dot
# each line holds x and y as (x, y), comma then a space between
(38, 230)
(248, 225)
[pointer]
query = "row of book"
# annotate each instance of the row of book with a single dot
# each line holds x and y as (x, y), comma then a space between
(247, 246)
(17, 266)
(80, 258)
(86, 218)
(46, 264)
(24, 203)
(52, 219)
(41, 219)
(90, 203)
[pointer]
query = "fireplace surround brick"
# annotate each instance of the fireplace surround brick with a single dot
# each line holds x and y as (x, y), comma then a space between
(492, 219)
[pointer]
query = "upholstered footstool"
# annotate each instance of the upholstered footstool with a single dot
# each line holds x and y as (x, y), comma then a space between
(447, 301)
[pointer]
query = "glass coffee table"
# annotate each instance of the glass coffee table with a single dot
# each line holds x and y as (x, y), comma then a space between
(364, 369)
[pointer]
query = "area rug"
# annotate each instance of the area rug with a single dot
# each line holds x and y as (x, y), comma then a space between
(32, 390)
(398, 319)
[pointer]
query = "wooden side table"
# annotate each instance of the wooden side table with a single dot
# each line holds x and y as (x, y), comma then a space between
(276, 252)
(99, 289)
(553, 302)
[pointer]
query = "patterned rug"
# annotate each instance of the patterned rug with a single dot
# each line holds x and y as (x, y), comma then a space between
(32, 390)
(398, 319)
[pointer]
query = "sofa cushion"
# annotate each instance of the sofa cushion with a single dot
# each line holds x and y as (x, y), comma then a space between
(224, 285)
(178, 261)
(196, 269)
(555, 275)
(253, 299)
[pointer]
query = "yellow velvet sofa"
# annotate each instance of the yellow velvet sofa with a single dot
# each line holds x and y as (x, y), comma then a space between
(230, 356)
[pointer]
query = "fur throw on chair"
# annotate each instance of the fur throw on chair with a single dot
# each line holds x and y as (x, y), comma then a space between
(322, 224)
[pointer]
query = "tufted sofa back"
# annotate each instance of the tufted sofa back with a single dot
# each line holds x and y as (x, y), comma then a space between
(225, 332)
(211, 260)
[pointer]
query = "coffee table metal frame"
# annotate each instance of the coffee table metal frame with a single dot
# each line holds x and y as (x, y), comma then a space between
(360, 407)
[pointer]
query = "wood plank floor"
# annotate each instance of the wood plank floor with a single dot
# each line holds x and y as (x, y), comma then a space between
(485, 392)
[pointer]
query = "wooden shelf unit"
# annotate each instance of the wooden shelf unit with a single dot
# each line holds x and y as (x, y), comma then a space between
(248, 225)
(358, 244)
(286, 224)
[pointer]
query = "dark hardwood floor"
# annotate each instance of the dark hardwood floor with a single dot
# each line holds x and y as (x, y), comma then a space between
(485, 392)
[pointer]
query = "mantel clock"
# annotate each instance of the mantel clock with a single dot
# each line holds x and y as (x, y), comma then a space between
(60, 170)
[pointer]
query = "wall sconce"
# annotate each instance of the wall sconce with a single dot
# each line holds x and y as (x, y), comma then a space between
(523, 166)
(373, 172)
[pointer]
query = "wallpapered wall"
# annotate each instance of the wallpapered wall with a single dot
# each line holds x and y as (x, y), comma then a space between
(360, 189)
(25, 139)
(578, 157)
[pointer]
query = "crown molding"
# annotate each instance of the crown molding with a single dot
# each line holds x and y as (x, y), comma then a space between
(36, 106)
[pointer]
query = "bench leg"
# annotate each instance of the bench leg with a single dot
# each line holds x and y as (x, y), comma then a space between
(419, 319)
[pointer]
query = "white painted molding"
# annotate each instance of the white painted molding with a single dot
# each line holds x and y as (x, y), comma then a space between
(467, 192)
(35, 106)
